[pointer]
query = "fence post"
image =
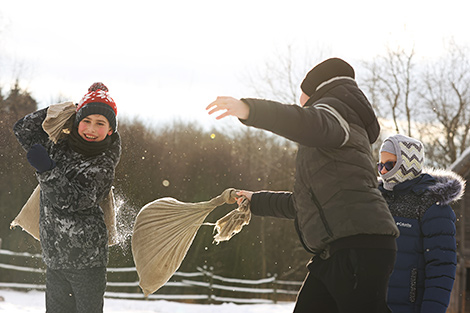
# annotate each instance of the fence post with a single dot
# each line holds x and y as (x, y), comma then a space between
(275, 288)
(209, 272)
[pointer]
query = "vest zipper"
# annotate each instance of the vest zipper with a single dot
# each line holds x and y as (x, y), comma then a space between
(322, 214)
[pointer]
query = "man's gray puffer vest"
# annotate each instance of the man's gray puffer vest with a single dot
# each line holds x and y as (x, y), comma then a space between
(335, 192)
(73, 233)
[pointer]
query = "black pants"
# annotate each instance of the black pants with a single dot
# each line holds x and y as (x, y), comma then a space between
(350, 281)
(75, 291)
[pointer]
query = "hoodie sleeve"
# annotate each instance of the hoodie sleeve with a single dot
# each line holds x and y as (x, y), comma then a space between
(28, 130)
(313, 126)
(275, 204)
(438, 227)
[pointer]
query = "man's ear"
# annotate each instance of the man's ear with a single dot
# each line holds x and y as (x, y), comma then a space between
(110, 132)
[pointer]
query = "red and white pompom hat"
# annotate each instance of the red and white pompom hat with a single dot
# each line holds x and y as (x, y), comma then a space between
(97, 101)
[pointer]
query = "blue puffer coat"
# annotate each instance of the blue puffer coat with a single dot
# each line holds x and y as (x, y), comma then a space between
(425, 268)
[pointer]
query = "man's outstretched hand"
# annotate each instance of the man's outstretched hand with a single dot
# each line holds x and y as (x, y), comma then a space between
(231, 106)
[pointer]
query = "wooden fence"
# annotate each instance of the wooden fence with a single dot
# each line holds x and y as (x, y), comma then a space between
(202, 286)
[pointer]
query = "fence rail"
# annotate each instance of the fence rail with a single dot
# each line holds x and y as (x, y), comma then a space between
(202, 286)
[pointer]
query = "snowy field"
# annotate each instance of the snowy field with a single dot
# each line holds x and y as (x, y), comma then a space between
(33, 302)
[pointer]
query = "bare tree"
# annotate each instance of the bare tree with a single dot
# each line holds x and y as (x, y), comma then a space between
(446, 94)
(391, 85)
(280, 76)
(432, 105)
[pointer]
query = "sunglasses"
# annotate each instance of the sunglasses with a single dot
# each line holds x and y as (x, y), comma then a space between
(388, 165)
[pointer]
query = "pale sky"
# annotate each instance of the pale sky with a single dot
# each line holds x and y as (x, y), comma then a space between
(166, 59)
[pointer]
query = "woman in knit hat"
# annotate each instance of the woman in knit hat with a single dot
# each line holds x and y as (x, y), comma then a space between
(419, 201)
(75, 174)
(339, 214)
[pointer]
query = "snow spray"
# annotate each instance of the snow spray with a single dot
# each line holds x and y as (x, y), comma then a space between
(125, 218)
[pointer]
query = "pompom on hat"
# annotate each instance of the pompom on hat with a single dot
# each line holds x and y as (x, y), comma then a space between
(97, 101)
(325, 71)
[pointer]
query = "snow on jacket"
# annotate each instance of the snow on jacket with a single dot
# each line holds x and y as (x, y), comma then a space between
(335, 192)
(72, 229)
(426, 261)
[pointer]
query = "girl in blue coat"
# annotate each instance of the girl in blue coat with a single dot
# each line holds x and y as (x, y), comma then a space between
(419, 201)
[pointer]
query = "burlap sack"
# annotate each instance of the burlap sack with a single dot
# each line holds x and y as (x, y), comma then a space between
(28, 218)
(58, 121)
(165, 229)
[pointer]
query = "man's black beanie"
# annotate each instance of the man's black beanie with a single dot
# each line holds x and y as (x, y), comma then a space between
(324, 71)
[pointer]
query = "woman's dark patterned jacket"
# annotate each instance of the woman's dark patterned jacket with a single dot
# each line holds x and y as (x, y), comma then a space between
(72, 229)
(425, 268)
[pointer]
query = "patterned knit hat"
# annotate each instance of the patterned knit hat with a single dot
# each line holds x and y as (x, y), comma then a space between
(97, 101)
(410, 159)
(323, 72)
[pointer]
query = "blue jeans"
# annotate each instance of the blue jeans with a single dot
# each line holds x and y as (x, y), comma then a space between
(75, 291)
(350, 281)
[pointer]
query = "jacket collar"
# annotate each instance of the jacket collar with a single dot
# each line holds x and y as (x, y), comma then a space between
(445, 186)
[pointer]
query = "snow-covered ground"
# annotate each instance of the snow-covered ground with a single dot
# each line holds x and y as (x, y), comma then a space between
(33, 302)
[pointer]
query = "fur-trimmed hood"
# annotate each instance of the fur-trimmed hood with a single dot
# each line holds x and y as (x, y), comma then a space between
(446, 186)
(449, 186)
